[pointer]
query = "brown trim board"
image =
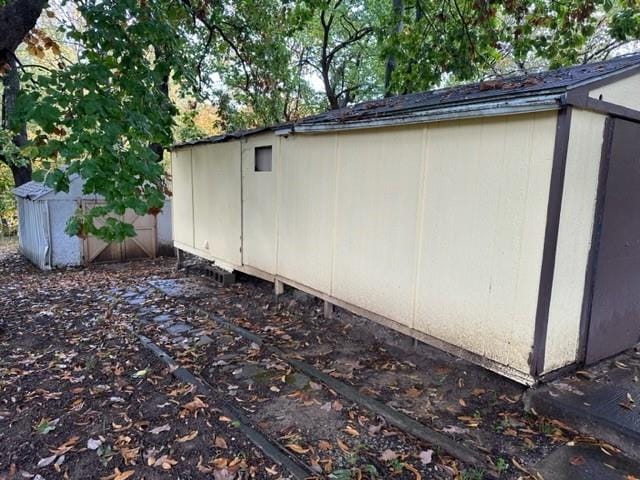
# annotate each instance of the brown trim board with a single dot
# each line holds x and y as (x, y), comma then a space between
(589, 282)
(556, 188)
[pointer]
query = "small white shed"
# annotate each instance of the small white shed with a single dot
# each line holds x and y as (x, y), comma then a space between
(43, 215)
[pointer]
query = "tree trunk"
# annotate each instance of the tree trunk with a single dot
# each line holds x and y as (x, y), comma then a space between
(398, 12)
(17, 18)
(11, 83)
(163, 87)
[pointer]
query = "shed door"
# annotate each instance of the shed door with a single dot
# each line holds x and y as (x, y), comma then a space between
(615, 308)
(259, 164)
(143, 245)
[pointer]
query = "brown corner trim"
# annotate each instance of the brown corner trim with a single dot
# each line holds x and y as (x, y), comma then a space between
(556, 189)
(589, 281)
(582, 100)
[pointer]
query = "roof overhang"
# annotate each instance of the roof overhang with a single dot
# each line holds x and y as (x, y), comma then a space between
(538, 103)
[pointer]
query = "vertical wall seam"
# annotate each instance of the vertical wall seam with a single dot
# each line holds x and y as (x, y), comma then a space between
(193, 202)
(334, 233)
(422, 195)
(530, 149)
(241, 203)
(499, 202)
(554, 204)
(278, 167)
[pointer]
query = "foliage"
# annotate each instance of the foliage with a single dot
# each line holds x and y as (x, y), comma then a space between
(255, 52)
(8, 216)
(98, 116)
(468, 39)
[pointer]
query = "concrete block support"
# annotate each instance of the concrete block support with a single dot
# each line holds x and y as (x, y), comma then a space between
(179, 258)
(328, 310)
(278, 287)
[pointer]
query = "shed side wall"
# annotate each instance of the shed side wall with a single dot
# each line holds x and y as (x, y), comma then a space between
(623, 92)
(438, 227)
(306, 210)
(486, 193)
(376, 220)
(574, 238)
(217, 201)
(182, 204)
(259, 204)
(66, 250)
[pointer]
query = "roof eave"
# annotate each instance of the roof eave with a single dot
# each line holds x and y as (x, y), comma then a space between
(511, 106)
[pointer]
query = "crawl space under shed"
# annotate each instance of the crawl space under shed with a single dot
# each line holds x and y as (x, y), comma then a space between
(499, 221)
(43, 215)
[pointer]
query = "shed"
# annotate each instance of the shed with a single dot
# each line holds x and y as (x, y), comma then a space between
(498, 221)
(43, 215)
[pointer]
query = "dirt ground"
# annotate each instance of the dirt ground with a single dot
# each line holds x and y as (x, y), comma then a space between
(81, 398)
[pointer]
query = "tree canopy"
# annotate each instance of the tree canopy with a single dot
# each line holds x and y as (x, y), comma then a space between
(106, 86)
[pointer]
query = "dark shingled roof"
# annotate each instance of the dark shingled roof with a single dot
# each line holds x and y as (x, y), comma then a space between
(540, 83)
(547, 82)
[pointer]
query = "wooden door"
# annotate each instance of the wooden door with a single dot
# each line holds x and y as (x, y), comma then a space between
(615, 307)
(143, 245)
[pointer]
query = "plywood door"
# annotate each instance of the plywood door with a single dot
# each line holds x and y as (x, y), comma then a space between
(143, 245)
(259, 217)
(615, 307)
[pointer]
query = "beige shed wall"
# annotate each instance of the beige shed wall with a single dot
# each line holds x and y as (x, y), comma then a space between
(182, 201)
(259, 210)
(574, 237)
(438, 227)
(217, 201)
(624, 92)
(306, 210)
(486, 194)
(376, 219)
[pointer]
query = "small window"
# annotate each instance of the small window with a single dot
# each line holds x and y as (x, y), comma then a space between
(263, 159)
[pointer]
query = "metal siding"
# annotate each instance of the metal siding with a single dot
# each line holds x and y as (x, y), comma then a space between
(306, 210)
(34, 241)
(623, 92)
(66, 250)
(375, 231)
(259, 205)
(486, 192)
(182, 204)
(574, 238)
(217, 201)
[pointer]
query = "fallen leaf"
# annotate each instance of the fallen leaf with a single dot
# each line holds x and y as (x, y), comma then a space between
(343, 446)
(324, 445)
(159, 430)
(188, 437)
(351, 431)
(93, 444)
(140, 373)
(297, 448)
(194, 405)
(47, 461)
(388, 455)
(426, 456)
(220, 442)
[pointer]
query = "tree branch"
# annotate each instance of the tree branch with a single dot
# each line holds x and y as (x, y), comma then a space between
(17, 18)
